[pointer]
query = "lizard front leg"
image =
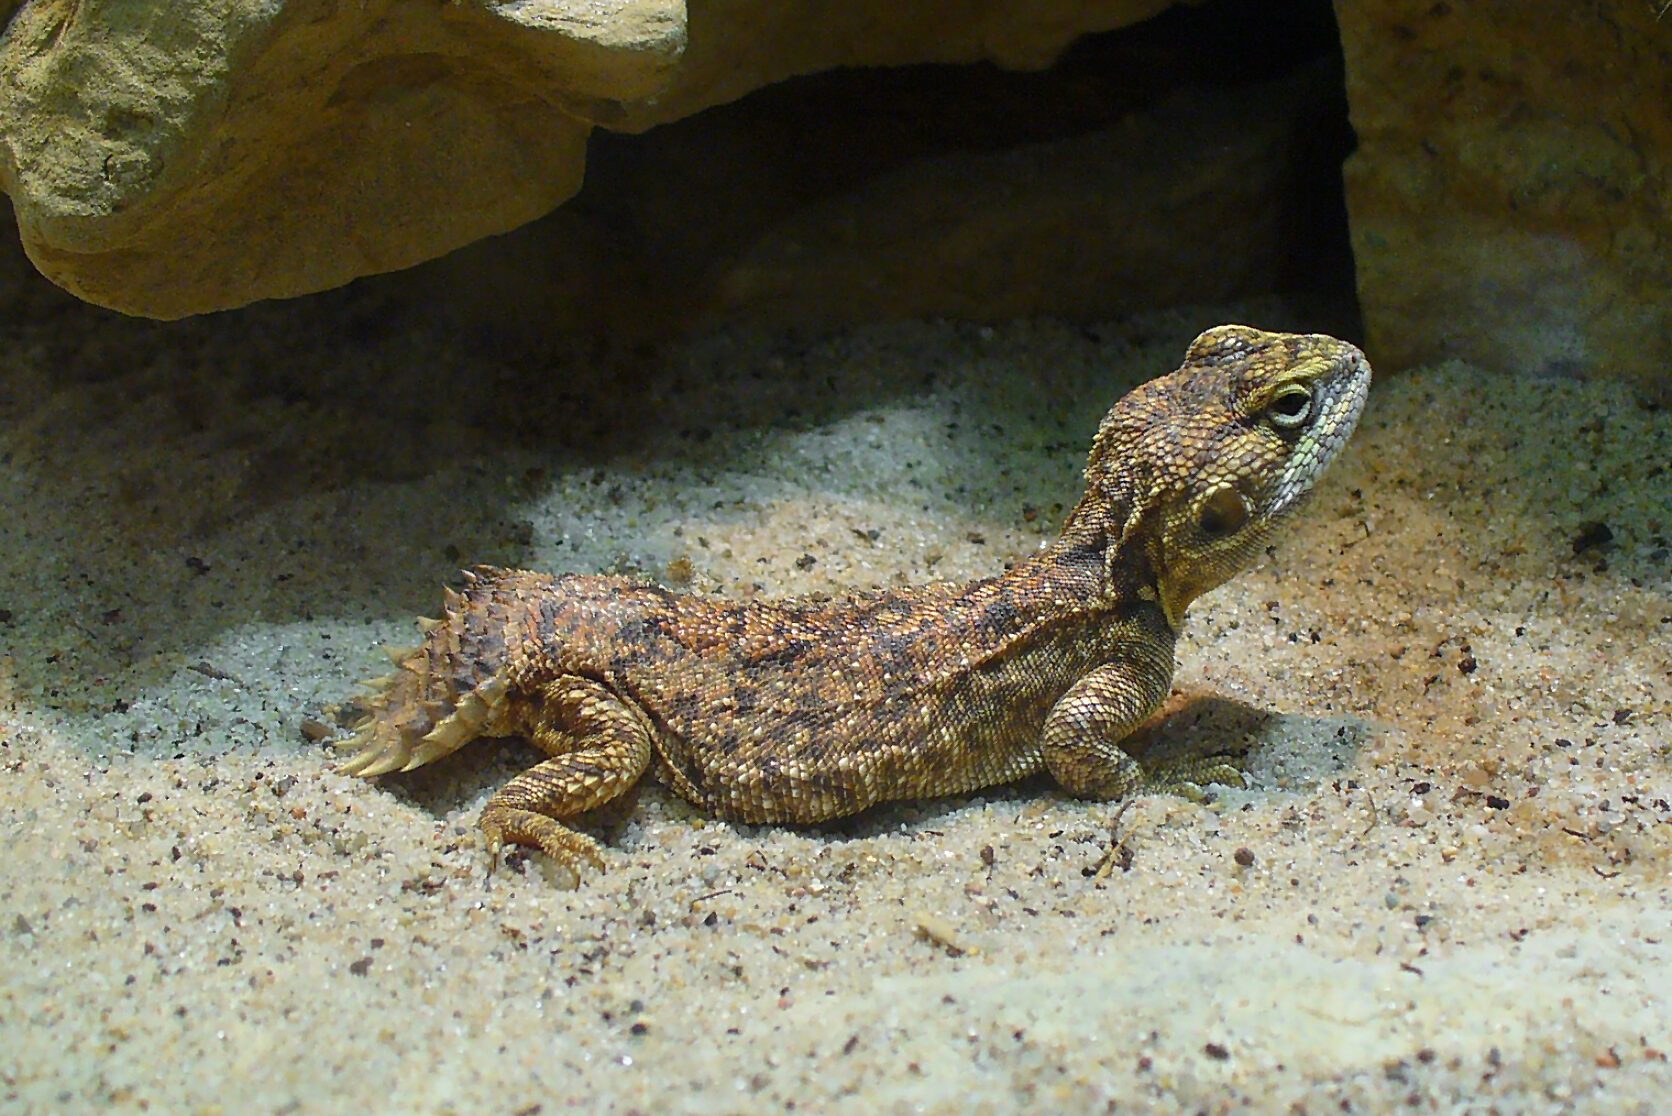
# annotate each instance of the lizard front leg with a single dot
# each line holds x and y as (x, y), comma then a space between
(600, 747)
(1083, 733)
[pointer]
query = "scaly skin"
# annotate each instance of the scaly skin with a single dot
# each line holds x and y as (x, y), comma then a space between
(803, 711)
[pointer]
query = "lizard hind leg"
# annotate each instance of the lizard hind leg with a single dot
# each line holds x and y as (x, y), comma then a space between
(599, 747)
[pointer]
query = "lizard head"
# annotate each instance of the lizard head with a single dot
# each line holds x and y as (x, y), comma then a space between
(1196, 470)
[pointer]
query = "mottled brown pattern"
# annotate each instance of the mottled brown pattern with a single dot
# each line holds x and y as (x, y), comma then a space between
(802, 711)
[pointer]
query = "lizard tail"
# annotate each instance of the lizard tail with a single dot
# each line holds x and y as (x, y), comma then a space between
(445, 692)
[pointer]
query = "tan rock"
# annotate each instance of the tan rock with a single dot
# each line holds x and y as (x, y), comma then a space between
(232, 150)
(236, 151)
(1511, 199)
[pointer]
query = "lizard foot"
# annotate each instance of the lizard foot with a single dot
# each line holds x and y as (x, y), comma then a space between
(503, 825)
(1186, 777)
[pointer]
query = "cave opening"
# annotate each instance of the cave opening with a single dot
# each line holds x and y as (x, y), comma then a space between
(1194, 158)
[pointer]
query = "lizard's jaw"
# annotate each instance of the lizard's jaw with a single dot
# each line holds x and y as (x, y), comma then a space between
(1178, 593)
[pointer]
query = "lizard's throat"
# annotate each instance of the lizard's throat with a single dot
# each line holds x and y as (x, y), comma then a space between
(1193, 575)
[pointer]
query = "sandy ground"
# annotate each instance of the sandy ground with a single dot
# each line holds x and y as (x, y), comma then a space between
(1447, 885)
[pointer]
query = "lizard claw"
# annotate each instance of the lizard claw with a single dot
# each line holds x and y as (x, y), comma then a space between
(378, 750)
(568, 849)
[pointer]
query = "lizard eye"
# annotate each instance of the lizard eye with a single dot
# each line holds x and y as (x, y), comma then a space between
(1291, 406)
(1222, 514)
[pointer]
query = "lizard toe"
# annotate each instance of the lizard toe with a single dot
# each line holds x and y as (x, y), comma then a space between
(1187, 777)
(568, 849)
(380, 750)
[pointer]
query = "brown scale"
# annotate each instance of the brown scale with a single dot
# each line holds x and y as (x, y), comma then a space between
(800, 711)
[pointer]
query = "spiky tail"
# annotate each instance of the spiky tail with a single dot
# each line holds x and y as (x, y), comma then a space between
(449, 689)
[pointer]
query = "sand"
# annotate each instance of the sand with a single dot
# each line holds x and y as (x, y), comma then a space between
(1446, 886)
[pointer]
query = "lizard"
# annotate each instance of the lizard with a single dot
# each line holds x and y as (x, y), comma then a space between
(802, 711)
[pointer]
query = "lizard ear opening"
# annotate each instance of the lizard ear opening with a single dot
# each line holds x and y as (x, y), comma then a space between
(1222, 513)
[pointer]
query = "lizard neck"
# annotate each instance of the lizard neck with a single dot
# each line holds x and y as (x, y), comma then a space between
(1114, 536)
(1088, 576)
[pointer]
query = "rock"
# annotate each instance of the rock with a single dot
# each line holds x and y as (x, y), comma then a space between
(1511, 198)
(173, 161)
(236, 151)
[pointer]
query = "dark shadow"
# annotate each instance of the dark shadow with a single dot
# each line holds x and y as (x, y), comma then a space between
(1201, 724)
